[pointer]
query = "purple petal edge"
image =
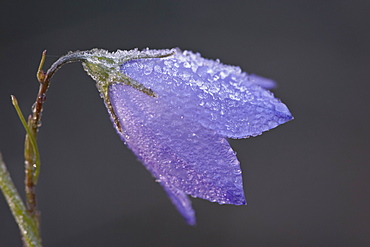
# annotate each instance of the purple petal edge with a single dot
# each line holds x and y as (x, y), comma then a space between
(221, 97)
(183, 156)
(181, 202)
(180, 134)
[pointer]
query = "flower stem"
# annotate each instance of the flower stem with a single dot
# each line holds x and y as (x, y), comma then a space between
(26, 224)
(31, 153)
(27, 217)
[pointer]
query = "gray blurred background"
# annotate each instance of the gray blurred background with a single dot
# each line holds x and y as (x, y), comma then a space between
(306, 182)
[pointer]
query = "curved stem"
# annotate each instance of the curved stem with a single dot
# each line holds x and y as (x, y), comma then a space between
(27, 217)
(34, 121)
(44, 79)
(32, 163)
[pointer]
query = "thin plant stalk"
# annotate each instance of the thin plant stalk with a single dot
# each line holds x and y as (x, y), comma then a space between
(32, 161)
(28, 228)
(27, 216)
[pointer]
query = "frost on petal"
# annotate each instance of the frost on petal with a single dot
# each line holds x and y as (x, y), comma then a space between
(179, 135)
(219, 97)
(184, 156)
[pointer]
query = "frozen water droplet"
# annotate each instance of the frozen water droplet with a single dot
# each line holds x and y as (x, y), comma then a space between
(41, 98)
(187, 65)
(39, 123)
(157, 69)
(238, 171)
(148, 70)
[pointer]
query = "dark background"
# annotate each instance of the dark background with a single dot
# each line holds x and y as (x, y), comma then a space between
(306, 182)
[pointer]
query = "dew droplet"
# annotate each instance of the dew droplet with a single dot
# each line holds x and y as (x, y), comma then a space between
(41, 98)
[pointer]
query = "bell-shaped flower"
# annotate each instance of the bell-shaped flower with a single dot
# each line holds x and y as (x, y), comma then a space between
(175, 109)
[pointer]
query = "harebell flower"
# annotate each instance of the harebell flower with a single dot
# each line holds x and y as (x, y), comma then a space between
(174, 109)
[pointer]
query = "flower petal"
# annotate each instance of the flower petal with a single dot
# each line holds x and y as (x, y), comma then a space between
(184, 156)
(220, 97)
(179, 134)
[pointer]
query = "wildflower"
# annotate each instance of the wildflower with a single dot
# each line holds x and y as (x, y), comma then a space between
(175, 109)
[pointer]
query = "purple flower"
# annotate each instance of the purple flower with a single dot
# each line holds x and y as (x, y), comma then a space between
(175, 109)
